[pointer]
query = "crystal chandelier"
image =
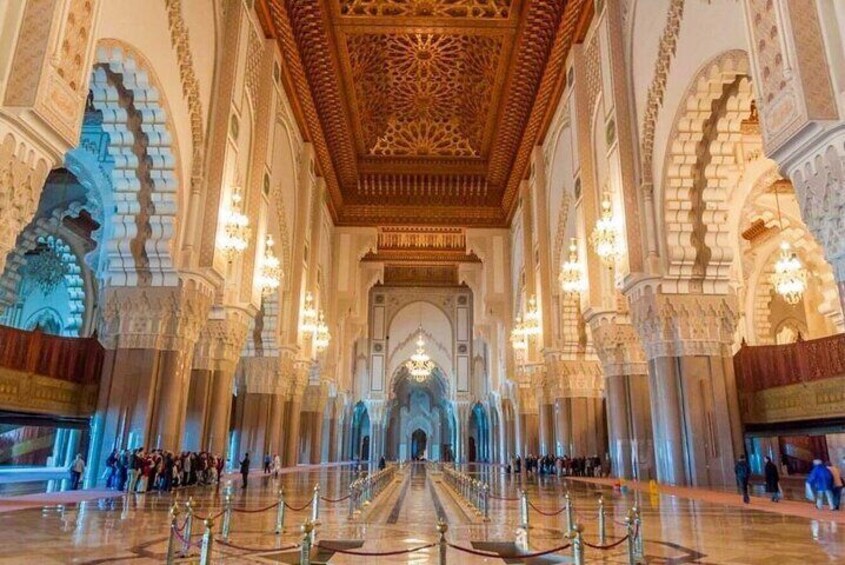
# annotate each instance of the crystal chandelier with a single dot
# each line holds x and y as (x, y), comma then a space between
(45, 265)
(308, 323)
(531, 320)
(519, 338)
(790, 277)
(420, 366)
(571, 277)
(322, 337)
(605, 236)
(236, 232)
(271, 270)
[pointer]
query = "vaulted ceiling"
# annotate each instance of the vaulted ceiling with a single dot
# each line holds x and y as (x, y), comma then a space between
(424, 112)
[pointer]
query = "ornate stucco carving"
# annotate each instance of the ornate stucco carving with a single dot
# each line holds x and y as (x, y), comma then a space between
(617, 345)
(221, 339)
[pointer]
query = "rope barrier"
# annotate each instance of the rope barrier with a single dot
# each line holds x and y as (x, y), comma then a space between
(204, 518)
(543, 512)
(300, 509)
(585, 518)
(608, 546)
(182, 527)
(375, 553)
(187, 542)
(255, 510)
(333, 500)
(520, 556)
(255, 549)
(507, 498)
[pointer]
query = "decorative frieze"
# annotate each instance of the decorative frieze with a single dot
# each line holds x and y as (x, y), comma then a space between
(221, 339)
(27, 392)
(617, 344)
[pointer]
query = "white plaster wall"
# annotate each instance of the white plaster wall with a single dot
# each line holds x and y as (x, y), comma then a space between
(403, 332)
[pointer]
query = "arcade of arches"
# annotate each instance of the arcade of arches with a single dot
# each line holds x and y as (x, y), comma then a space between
(339, 233)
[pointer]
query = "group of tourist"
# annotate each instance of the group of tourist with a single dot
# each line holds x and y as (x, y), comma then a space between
(823, 484)
(560, 466)
(140, 470)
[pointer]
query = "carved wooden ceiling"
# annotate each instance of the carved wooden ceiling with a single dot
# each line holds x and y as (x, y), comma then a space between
(424, 112)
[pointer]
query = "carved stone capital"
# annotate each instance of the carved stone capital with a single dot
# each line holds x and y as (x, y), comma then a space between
(162, 318)
(677, 325)
(262, 375)
(222, 339)
(617, 344)
(574, 378)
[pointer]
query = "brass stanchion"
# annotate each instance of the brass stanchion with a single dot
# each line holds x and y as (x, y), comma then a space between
(639, 544)
(351, 501)
(569, 520)
(189, 526)
(632, 543)
(486, 500)
(524, 540)
(280, 511)
(442, 528)
(577, 544)
(315, 505)
(207, 542)
(305, 551)
(602, 534)
(171, 539)
(227, 516)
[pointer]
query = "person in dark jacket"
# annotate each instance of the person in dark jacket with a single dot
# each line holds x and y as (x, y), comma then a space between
(743, 474)
(381, 463)
(245, 469)
(772, 479)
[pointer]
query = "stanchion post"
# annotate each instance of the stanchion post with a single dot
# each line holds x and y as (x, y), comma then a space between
(171, 540)
(305, 550)
(632, 543)
(442, 528)
(523, 509)
(351, 500)
(639, 545)
(577, 544)
(315, 505)
(486, 502)
(280, 511)
(207, 542)
(602, 533)
(569, 521)
(227, 516)
(189, 526)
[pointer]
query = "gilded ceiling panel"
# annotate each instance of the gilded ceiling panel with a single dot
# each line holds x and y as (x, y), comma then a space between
(431, 8)
(423, 94)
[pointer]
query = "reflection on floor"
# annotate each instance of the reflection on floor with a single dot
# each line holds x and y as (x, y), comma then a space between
(133, 529)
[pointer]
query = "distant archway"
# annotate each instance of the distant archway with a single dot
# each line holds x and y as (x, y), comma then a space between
(419, 445)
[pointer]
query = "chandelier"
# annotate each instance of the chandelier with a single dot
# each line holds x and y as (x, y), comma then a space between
(322, 337)
(271, 270)
(571, 277)
(790, 277)
(309, 321)
(236, 232)
(605, 236)
(420, 366)
(45, 265)
(519, 337)
(531, 320)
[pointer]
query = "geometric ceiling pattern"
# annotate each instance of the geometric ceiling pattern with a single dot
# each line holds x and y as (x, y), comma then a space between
(424, 112)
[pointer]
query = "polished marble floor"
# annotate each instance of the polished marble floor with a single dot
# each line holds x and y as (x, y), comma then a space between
(678, 529)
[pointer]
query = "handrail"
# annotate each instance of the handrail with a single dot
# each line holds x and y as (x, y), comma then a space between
(76, 360)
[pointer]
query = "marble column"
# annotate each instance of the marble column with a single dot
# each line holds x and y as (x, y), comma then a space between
(199, 401)
(694, 404)
(563, 426)
(546, 431)
(275, 437)
(294, 411)
(630, 438)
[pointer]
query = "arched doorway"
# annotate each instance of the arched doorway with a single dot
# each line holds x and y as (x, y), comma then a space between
(360, 438)
(419, 445)
(473, 453)
(479, 435)
(419, 406)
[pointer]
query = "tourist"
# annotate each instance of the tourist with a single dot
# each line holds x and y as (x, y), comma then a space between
(245, 469)
(110, 473)
(837, 484)
(820, 484)
(381, 463)
(77, 468)
(277, 466)
(772, 479)
(743, 474)
(267, 462)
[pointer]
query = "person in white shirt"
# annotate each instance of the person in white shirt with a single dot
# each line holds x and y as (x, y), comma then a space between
(77, 468)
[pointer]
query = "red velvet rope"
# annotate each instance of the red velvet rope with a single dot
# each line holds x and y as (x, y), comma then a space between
(544, 513)
(186, 541)
(300, 509)
(333, 500)
(510, 555)
(494, 497)
(375, 553)
(198, 517)
(606, 547)
(256, 549)
(255, 510)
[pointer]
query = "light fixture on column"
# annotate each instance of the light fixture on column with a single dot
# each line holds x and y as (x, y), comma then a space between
(235, 237)
(790, 276)
(531, 320)
(271, 271)
(308, 320)
(605, 237)
(519, 339)
(322, 337)
(572, 281)
(420, 365)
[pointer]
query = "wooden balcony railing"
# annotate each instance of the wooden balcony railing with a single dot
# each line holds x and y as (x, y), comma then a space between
(74, 360)
(768, 366)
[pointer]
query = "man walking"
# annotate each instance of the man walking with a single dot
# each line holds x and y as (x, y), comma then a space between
(77, 468)
(245, 469)
(743, 474)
